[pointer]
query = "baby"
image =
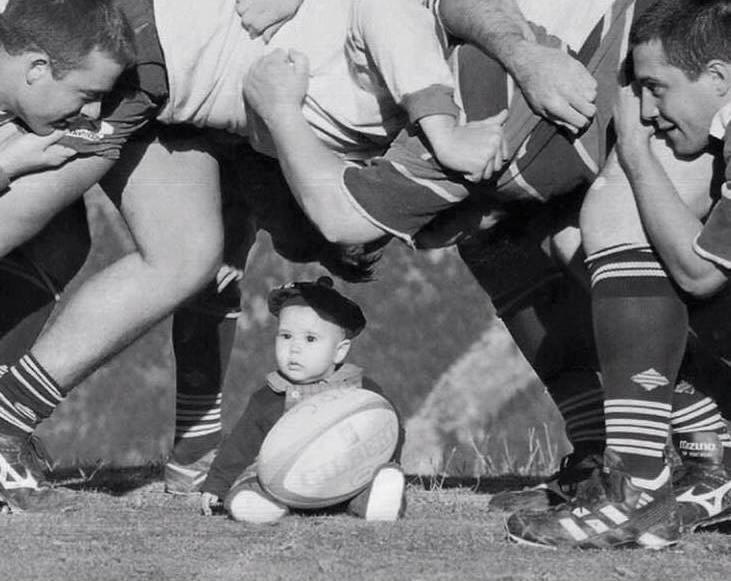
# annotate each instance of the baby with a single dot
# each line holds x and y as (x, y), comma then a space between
(315, 330)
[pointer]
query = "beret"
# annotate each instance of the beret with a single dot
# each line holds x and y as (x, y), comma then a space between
(321, 296)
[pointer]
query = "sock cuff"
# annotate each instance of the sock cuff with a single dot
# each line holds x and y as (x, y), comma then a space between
(37, 380)
(629, 271)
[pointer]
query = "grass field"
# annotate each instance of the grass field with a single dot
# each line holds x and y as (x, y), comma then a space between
(126, 528)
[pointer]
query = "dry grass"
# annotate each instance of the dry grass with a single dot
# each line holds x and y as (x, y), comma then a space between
(127, 529)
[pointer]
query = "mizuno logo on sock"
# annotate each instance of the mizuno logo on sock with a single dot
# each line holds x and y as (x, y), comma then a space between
(650, 379)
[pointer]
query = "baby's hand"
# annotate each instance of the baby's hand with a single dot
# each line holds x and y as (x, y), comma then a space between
(476, 149)
(209, 504)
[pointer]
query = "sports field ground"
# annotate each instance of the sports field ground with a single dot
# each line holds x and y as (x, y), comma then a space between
(127, 528)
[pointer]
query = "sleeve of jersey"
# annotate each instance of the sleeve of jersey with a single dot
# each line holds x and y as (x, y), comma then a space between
(121, 117)
(402, 39)
(240, 448)
(714, 241)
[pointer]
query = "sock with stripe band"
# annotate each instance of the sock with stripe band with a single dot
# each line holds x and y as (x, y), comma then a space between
(698, 399)
(699, 431)
(28, 395)
(640, 327)
(202, 342)
(581, 403)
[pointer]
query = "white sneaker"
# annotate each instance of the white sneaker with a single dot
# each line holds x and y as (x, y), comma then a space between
(386, 496)
(250, 506)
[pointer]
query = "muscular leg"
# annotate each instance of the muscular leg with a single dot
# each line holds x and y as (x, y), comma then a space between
(640, 320)
(171, 204)
(204, 330)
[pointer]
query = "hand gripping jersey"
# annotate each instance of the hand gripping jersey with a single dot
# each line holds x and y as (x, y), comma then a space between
(369, 60)
(374, 66)
(404, 189)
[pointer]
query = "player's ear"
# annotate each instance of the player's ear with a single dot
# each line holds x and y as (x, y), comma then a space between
(341, 352)
(37, 66)
(720, 74)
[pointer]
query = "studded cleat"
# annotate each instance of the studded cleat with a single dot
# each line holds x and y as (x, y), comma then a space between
(187, 478)
(22, 486)
(611, 512)
(702, 484)
(560, 488)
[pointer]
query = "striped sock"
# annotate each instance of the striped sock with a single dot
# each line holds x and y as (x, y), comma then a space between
(693, 415)
(203, 336)
(582, 409)
(638, 431)
(697, 398)
(198, 420)
(640, 326)
(696, 414)
(28, 395)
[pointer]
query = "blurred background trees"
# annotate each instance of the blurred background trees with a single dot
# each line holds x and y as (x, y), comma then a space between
(471, 403)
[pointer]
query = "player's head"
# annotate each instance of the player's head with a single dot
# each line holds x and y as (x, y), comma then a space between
(316, 325)
(681, 56)
(59, 57)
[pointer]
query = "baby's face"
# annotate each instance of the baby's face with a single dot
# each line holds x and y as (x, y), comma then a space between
(307, 346)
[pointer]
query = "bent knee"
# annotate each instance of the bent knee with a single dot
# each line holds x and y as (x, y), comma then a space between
(609, 216)
(187, 266)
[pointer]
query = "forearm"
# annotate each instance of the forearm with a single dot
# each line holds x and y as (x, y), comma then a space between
(498, 27)
(315, 177)
(32, 200)
(670, 224)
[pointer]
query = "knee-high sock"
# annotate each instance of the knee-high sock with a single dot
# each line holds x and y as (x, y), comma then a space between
(203, 337)
(27, 393)
(641, 327)
(695, 410)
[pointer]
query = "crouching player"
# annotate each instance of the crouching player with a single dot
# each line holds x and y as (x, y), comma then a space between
(682, 65)
(314, 334)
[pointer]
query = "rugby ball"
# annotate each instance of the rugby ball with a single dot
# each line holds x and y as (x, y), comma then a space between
(325, 449)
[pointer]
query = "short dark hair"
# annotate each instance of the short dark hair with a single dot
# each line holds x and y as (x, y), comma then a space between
(692, 32)
(67, 31)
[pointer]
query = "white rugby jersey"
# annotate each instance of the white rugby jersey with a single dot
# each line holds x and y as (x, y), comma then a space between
(367, 58)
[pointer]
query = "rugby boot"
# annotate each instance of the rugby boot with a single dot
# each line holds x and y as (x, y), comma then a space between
(187, 478)
(22, 485)
(702, 483)
(576, 469)
(610, 512)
